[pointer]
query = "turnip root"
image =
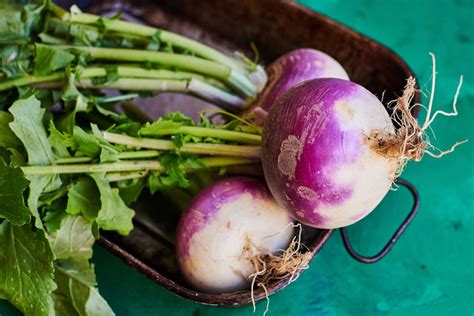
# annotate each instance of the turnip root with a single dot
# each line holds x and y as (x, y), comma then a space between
(292, 68)
(330, 150)
(225, 230)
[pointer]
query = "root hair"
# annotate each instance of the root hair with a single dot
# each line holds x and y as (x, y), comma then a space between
(271, 267)
(411, 140)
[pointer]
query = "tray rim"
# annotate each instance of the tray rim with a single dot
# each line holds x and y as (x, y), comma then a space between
(226, 299)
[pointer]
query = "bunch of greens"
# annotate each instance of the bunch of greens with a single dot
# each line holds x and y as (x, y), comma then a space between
(71, 166)
(60, 185)
(70, 53)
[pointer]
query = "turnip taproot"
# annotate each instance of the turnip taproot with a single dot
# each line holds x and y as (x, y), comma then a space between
(225, 229)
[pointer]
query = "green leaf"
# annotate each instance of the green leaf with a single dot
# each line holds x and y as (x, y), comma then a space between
(204, 121)
(28, 127)
(74, 99)
(160, 127)
(73, 239)
(131, 129)
(180, 118)
(178, 140)
(76, 293)
(60, 142)
(48, 59)
(175, 166)
(110, 114)
(38, 185)
(17, 157)
(12, 204)
(55, 214)
(113, 214)
(26, 269)
(10, 20)
(5, 155)
(130, 190)
(84, 198)
(155, 42)
(7, 137)
(87, 143)
(94, 144)
(83, 35)
(110, 76)
(65, 123)
(33, 16)
(108, 151)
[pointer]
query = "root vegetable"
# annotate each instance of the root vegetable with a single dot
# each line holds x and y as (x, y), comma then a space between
(330, 150)
(225, 229)
(293, 68)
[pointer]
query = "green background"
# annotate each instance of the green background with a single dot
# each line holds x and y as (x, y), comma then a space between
(431, 270)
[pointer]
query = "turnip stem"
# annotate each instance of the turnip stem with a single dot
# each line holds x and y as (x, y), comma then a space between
(195, 64)
(128, 166)
(186, 62)
(123, 71)
(73, 160)
(193, 86)
(123, 155)
(121, 166)
(124, 176)
(148, 31)
(129, 71)
(223, 134)
(250, 152)
(29, 80)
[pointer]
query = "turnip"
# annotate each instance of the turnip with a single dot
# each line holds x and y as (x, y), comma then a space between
(330, 150)
(226, 231)
(292, 68)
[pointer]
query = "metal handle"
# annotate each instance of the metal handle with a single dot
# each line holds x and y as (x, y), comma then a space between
(382, 253)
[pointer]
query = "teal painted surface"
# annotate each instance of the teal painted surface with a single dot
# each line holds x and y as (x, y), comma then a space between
(431, 270)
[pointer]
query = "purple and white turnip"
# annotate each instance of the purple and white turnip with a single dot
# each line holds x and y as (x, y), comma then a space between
(224, 229)
(317, 154)
(292, 68)
(331, 152)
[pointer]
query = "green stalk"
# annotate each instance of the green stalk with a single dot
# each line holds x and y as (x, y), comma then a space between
(223, 134)
(122, 71)
(130, 71)
(186, 62)
(203, 66)
(29, 80)
(121, 166)
(166, 81)
(138, 84)
(124, 176)
(127, 166)
(195, 87)
(117, 98)
(198, 88)
(72, 160)
(250, 152)
(165, 36)
(48, 39)
(123, 155)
